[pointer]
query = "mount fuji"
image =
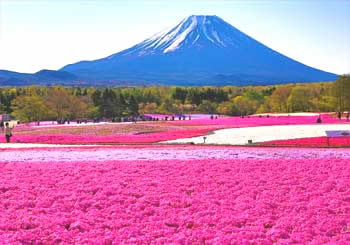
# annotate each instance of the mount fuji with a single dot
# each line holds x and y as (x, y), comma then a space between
(200, 50)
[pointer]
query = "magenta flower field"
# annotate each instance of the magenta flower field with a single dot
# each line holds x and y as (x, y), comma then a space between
(174, 194)
(151, 132)
(253, 121)
(115, 185)
(311, 142)
(90, 139)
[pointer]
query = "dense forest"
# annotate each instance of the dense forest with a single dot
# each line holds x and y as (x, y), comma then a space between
(36, 103)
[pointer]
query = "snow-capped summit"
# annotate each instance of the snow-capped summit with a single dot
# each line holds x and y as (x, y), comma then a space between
(195, 31)
(200, 50)
(190, 33)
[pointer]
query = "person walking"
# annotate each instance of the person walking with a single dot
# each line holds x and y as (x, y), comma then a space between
(2, 126)
(8, 132)
(339, 115)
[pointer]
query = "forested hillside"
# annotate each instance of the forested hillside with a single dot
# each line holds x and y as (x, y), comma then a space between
(51, 103)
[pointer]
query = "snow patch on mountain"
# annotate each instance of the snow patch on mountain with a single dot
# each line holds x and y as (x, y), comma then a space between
(205, 30)
(180, 38)
(186, 34)
(168, 37)
(195, 40)
(218, 39)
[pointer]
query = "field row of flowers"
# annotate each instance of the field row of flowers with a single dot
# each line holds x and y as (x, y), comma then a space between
(311, 142)
(94, 139)
(150, 132)
(224, 122)
(176, 116)
(98, 129)
(241, 136)
(166, 152)
(176, 201)
(254, 121)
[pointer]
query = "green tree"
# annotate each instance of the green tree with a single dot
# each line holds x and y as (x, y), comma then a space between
(265, 106)
(226, 108)
(167, 107)
(147, 108)
(193, 96)
(133, 107)
(7, 96)
(185, 108)
(341, 92)
(253, 94)
(207, 107)
(324, 103)
(179, 94)
(2, 106)
(2, 109)
(299, 99)
(110, 103)
(244, 106)
(63, 104)
(279, 97)
(97, 97)
(29, 108)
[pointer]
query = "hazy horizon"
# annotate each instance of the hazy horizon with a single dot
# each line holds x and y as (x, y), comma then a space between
(44, 34)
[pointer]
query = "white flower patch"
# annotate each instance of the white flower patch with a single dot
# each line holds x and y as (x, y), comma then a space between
(241, 136)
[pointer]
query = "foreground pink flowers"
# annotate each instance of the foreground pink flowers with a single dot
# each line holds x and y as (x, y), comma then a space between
(90, 139)
(165, 152)
(267, 197)
(312, 142)
(182, 194)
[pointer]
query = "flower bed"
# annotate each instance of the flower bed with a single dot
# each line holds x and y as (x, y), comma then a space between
(97, 129)
(176, 201)
(193, 116)
(91, 139)
(241, 136)
(254, 121)
(311, 142)
(150, 132)
(163, 152)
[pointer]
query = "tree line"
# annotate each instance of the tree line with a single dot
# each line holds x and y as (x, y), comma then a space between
(36, 103)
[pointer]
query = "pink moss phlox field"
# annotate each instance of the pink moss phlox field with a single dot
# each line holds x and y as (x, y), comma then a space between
(164, 152)
(170, 201)
(312, 142)
(41, 123)
(88, 139)
(254, 121)
(150, 132)
(193, 116)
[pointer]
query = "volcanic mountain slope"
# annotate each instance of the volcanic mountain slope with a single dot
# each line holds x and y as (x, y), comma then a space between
(200, 50)
(43, 77)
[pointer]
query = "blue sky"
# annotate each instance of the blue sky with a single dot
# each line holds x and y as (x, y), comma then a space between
(38, 34)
